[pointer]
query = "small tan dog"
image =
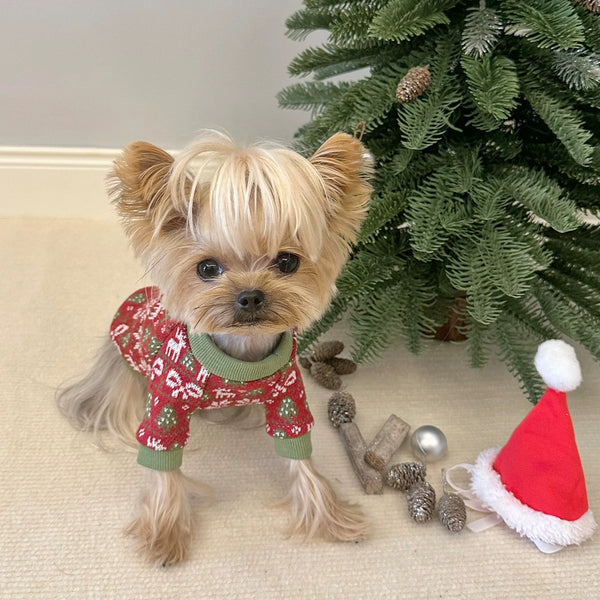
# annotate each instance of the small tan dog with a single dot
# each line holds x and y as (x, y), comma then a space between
(244, 246)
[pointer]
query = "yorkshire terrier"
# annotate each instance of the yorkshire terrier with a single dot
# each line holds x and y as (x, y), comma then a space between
(244, 246)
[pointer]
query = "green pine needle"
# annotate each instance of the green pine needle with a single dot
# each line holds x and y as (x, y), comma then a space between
(563, 120)
(493, 84)
(404, 19)
(547, 23)
(312, 95)
(483, 27)
(577, 70)
(540, 194)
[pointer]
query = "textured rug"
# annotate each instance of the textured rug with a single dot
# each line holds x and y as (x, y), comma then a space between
(64, 502)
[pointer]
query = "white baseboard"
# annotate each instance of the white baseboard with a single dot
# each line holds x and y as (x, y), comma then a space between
(55, 182)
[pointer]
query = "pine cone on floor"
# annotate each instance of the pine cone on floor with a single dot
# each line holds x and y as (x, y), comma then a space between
(404, 475)
(325, 375)
(341, 408)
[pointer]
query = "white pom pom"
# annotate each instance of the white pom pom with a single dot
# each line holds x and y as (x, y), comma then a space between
(557, 363)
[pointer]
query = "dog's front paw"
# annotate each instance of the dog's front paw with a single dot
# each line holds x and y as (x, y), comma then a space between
(163, 527)
(161, 543)
(317, 511)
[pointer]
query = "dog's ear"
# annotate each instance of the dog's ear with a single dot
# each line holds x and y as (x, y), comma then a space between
(139, 188)
(345, 167)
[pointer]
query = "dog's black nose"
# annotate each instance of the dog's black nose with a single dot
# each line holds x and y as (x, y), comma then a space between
(251, 301)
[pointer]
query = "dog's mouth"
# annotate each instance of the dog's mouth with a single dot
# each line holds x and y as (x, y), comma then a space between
(240, 318)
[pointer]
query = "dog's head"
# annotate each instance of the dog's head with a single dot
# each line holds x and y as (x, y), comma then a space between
(243, 240)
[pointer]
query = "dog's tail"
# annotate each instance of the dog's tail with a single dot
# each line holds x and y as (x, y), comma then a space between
(110, 397)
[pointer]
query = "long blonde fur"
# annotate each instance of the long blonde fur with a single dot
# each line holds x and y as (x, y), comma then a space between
(109, 398)
(316, 510)
(165, 519)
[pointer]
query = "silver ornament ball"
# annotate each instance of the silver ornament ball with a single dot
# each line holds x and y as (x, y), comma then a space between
(429, 443)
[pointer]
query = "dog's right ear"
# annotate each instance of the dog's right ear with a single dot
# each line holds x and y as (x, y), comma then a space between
(139, 190)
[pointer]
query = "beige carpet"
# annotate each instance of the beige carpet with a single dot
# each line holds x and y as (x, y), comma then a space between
(64, 502)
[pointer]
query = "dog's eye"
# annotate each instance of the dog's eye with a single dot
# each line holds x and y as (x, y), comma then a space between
(209, 269)
(287, 263)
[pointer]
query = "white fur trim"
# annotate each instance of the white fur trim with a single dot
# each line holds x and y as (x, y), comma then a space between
(488, 487)
(557, 363)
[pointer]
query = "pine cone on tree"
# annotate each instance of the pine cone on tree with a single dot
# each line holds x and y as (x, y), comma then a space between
(591, 5)
(413, 84)
(404, 475)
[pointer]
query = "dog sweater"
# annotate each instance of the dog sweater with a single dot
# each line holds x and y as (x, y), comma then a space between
(186, 373)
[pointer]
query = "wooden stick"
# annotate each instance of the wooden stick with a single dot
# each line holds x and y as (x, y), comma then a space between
(355, 445)
(386, 442)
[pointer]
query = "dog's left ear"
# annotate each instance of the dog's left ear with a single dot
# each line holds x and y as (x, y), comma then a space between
(345, 167)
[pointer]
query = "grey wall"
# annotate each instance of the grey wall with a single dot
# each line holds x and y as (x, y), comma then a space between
(101, 73)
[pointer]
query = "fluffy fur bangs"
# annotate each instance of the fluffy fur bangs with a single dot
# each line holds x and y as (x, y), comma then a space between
(259, 199)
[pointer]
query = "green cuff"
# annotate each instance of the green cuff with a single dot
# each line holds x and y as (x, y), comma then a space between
(160, 460)
(299, 447)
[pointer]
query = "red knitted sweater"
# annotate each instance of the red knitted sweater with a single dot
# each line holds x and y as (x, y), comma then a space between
(188, 373)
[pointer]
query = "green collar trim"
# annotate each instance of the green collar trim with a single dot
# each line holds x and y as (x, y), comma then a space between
(214, 360)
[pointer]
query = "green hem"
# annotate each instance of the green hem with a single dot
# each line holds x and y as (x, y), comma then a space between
(214, 360)
(296, 448)
(160, 460)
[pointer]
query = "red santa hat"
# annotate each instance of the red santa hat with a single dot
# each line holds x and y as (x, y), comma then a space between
(535, 483)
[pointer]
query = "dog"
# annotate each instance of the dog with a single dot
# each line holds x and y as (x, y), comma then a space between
(243, 245)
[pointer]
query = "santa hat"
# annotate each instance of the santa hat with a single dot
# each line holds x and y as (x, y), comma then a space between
(535, 483)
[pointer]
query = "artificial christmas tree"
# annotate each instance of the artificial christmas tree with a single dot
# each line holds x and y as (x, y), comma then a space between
(483, 120)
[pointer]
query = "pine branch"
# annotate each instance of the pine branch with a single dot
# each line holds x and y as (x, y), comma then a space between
(543, 196)
(556, 156)
(576, 290)
(303, 22)
(425, 205)
(382, 209)
(312, 95)
(565, 122)
(547, 23)
(424, 121)
(401, 20)
(517, 351)
(483, 27)
(568, 318)
(489, 199)
(591, 27)
(494, 87)
(368, 269)
(333, 315)
(375, 322)
(527, 313)
(579, 71)
(331, 60)
(397, 309)
(489, 267)
(478, 340)
(587, 237)
(351, 29)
